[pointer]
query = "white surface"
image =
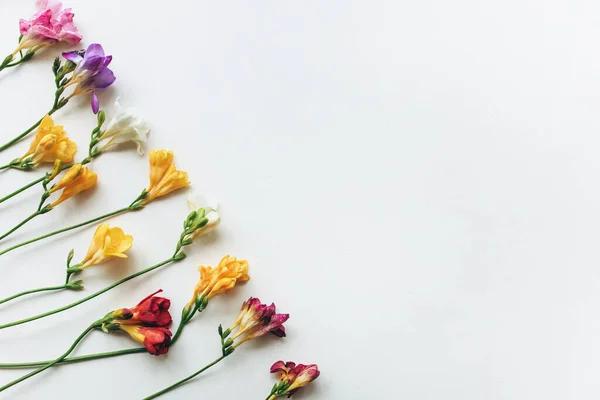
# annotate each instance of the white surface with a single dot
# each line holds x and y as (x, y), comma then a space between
(415, 182)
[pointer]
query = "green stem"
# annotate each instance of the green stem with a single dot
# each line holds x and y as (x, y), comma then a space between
(45, 289)
(20, 224)
(28, 131)
(50, 364)
(94, 356)
(14, 64)
(173, 386)
(24, 188)
(90, 297)
(177, 333)
(91, 221)
(75, 359)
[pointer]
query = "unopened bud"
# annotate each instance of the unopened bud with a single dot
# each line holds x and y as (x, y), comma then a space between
(70, 256)
(57, 169)
(77, 285)
(69, 67)
(101, 117)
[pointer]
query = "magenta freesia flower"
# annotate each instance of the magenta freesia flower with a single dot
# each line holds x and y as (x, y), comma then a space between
(293, 377)
(91, 73)
(50, 25)
(256, 319)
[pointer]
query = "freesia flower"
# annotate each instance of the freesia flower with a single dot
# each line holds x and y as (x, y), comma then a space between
(155, 339)
(126, 126)
(91, 73)
(293, 377)
(51, 143)
(205, 208)
(147, 323)
(50, 25)
(256, 319)
(107, 243)
(218, 280)
(77, 179)
(164, 176)
(151, 311)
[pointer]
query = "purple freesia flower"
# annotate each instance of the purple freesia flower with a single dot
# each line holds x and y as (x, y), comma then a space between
(92, 72)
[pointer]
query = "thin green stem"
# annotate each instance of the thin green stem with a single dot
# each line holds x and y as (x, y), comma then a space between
(177, 333)
(45, 289)
(50, 364)
(90, 297)
(24, 188)
(185, 318)
(173, 386)
(20, 224)
(91, 221)
(28, 131)
(14, 64)
(72, 360)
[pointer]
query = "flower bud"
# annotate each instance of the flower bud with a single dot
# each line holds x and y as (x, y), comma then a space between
(77, 285)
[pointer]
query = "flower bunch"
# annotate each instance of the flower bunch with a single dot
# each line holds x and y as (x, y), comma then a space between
(85, 72)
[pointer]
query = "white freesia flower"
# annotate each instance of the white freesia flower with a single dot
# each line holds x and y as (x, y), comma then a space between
(126, 126)
(210, 206)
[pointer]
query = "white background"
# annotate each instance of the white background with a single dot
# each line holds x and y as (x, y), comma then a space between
(416, 183)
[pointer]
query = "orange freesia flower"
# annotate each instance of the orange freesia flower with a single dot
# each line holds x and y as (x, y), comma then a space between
(77, 179)
(218, 280)
(164, 176)
(50, 143)
(107, 243)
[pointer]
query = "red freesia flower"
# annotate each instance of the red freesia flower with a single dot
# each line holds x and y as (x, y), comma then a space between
(155, 339)
(146, 323)
(152, 311)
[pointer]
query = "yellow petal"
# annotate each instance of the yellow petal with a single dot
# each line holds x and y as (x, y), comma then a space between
(97, 242)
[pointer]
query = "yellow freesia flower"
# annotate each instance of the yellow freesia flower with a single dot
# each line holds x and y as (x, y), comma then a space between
(164, 176)
(107, 243)
(77, 179)
(218, 280)
(50, 143)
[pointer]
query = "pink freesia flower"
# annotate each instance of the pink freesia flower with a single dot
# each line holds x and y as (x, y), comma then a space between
(50, 25)
(256, 319)
(293, 377)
